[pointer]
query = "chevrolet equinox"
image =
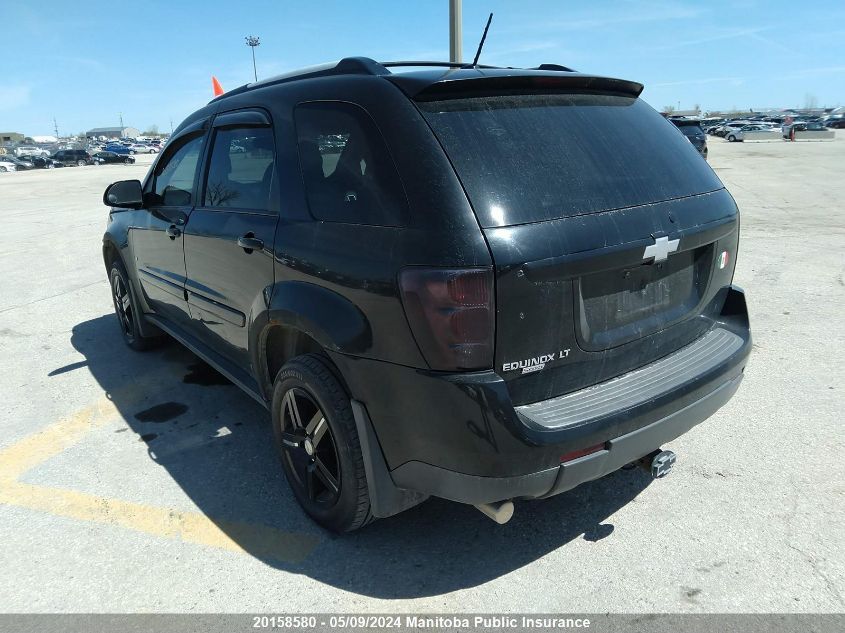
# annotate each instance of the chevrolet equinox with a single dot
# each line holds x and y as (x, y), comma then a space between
(482, 284)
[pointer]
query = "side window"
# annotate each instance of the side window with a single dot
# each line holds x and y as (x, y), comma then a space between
(348, 173)
(174, 176)
(240, 171)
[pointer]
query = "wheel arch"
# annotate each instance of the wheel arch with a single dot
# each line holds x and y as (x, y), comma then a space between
(305, 318)
(111, 251)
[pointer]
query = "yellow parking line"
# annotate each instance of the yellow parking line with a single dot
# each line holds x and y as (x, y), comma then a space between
(49, 442)
(190, 527)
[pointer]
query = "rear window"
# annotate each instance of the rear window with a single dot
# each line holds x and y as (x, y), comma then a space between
(689, 129)
(348, 173)
(530, 158)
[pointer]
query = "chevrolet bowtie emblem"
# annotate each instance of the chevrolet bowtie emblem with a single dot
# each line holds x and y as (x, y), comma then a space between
(661, 248)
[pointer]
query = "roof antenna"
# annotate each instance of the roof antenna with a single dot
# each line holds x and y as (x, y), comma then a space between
(481, 43)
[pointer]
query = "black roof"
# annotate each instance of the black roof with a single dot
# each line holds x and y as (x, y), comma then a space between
(441, 79)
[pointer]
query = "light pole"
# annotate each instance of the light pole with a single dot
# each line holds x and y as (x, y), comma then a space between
(455, 31)
(252, 42)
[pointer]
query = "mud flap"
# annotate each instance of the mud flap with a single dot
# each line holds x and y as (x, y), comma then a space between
(386, 499)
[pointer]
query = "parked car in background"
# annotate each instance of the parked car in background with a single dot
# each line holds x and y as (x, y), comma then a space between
(723, 130)
(835, 122)
(7, 165)
(20, 165)
(140, 148)
(118, 149)
(107, 158)
(691, 128)
(30, 150)
(77, 157)
(41, 162)
(813, 129)
(801, 126)
(740, 134)
(711, 128)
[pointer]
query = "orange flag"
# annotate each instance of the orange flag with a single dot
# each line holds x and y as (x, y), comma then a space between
(215, 85)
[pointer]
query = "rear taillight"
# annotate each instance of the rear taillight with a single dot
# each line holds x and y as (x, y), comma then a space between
(450, 312)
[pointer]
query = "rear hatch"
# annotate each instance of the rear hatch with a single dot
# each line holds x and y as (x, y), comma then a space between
(613, 241)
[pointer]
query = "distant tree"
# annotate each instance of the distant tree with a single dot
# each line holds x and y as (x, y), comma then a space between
(151, 131)
(810, 101)
(669, 109)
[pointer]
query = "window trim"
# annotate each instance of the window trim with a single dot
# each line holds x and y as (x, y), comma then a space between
(192, 133)
(259, 114)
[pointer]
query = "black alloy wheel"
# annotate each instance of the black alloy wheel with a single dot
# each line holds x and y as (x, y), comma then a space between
(309, 448)
(128, 315)
(123, 305)
(316, 439)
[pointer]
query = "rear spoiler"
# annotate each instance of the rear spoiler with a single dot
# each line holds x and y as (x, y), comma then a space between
(468, 83)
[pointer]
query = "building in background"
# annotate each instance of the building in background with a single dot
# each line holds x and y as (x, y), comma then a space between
(113, 132)
(11, 137)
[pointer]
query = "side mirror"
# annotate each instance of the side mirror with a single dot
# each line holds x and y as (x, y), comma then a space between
(124, 193)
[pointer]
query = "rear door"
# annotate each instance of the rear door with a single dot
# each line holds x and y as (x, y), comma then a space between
(606, 227)
(229, 239)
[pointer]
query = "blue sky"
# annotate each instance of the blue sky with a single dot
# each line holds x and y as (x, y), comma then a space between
(86, 61)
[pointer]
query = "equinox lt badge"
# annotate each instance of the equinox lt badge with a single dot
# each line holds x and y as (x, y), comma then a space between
(535, 364)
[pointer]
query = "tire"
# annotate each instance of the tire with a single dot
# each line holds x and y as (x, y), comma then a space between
(324, 448)
(126, 310)
(131, 151)
(731, 138)
(80, 163)
(2, 169)
(51, 166)
(128, 161)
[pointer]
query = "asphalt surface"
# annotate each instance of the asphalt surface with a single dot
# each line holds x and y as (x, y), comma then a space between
(145, 482)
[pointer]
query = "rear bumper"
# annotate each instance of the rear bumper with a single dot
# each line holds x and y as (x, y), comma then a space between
(548, 482)
(459, 436)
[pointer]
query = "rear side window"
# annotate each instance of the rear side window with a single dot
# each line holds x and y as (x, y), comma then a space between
(530, 158)
(348, 173)
(174, 175)
(241, 169)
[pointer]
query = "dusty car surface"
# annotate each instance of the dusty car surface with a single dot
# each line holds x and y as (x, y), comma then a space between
(482, 284)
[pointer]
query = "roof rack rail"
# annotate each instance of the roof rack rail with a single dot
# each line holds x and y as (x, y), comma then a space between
(365, 66)
(346, 66)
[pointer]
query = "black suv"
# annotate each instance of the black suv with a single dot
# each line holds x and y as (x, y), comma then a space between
(73, 157)
(476, 283)
(691, 128)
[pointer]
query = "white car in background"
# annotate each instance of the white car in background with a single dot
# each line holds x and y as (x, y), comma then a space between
(4, 166)
(140, 148)
(752, 132)
(30, 150)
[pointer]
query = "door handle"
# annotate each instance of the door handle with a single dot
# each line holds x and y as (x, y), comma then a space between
(250, 243)
(173, 231)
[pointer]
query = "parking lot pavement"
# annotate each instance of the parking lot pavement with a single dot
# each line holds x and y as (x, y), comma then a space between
(146, 482)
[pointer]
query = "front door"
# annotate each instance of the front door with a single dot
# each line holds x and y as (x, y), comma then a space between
(229, 239)
(157, 240)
